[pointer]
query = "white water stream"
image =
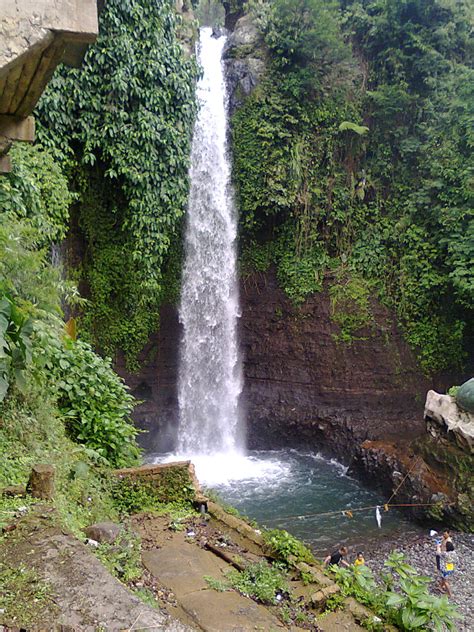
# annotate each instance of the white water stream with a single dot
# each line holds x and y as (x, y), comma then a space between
(210, 377)
(211, 424)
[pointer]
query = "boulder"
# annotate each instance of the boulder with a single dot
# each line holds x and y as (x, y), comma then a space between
(445, 419)
(244, 57)
(104, 532)
(465, 396)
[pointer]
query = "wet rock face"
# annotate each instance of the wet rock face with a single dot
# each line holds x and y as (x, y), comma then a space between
(244, 59)
(156, 385)
(304, 388)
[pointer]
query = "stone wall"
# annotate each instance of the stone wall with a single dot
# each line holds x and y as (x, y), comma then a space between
(170, 481)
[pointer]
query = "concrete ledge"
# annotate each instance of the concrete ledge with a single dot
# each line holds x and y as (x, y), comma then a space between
(15, 128)
(317, 576)
(235, 523)
(319, 598)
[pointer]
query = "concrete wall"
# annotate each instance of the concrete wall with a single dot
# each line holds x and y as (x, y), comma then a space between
(35, 36)
(28, 23)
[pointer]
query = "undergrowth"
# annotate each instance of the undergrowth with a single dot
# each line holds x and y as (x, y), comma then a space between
(286, 548)
(131, 496)
(122, 558)
(32, 432)
(25, 597)
(259, 581)
(403, 599)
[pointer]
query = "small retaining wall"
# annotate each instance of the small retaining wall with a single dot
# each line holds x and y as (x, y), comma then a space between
(168, 480)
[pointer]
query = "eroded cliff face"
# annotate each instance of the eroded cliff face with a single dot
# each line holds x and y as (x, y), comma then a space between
(304, 387)
(156, 385)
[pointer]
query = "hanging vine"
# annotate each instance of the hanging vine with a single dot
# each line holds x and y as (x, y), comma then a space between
(123, 123)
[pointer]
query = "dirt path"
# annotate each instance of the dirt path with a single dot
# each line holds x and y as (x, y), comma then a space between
(182, 567)
(66, 585)
(78, 592)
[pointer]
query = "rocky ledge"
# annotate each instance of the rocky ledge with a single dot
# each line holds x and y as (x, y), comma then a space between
(435, 472)
(446, 420)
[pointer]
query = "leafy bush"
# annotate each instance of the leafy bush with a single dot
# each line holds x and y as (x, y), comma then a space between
(92, 397)
(286, 547)
(405, 601)
(15, 345)
(37, 190)
(34, 202)
(259, 581)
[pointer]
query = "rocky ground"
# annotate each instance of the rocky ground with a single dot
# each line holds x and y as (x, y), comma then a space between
(420, 553)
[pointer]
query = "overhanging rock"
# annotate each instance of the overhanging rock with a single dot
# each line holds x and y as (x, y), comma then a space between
(445, 418)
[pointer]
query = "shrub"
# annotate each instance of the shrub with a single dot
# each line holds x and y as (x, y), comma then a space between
(92, 398)
(286, 547)
(259, 581)
(404, 601)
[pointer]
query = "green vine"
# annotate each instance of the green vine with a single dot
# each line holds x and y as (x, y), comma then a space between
(361, 162)
(123, 124)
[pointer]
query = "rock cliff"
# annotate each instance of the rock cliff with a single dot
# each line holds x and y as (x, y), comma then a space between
(302, 387)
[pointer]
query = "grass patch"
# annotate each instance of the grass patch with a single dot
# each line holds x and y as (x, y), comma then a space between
(31, 432)
(26, 598)
(122, 558)
(146, 596)
(217, 584)
(260, 581)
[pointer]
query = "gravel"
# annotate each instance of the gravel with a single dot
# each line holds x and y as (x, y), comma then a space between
(420, 553)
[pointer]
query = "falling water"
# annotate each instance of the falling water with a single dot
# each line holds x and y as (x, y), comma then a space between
(210, 380)
(275, 487)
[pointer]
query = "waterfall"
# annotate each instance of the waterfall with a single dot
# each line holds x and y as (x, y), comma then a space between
(210, 378)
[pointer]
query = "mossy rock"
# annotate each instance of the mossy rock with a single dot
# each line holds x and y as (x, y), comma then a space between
(465, 396)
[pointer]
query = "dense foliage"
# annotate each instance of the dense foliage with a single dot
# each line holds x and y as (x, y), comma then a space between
(353, 159)
(62, 403)
(403, 600)
(123, 123)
